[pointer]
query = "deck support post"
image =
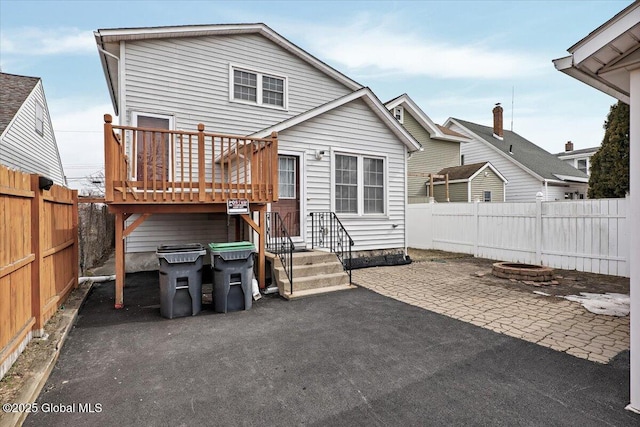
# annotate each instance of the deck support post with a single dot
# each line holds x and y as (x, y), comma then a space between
(262, 265)
(120, 269)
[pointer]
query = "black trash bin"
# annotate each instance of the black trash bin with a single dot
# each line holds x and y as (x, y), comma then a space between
(232, 265)
(180, 279)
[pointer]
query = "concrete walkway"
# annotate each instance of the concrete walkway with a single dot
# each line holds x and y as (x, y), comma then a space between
(455, 290)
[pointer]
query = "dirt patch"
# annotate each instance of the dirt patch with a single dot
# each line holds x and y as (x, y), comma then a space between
(570, 282)
(39, 351)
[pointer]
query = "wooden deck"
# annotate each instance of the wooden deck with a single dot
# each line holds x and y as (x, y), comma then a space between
(150, 171)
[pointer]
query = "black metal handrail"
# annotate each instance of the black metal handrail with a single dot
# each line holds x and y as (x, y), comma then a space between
(279, 243)
(328, 232)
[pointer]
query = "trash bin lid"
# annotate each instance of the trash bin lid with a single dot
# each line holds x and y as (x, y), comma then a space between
(231, 246)
(184, 247)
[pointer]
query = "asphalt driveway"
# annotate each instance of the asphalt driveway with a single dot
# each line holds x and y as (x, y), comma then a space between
(347, 358)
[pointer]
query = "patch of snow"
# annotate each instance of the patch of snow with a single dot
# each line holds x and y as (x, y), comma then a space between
(544, 294)
(610, 304)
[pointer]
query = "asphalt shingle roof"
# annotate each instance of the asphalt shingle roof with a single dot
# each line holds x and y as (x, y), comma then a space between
(460, 172)
(525, 152)
(580, 151)
(14, 90)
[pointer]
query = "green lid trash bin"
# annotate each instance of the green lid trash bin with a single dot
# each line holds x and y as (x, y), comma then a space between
(232, 265)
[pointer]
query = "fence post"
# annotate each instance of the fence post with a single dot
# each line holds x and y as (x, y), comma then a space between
(538, 260)
(476, 217)
(36, 248)
(76, 240)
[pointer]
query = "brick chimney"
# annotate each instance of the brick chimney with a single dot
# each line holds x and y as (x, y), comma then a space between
(568, 146)
(498, 129)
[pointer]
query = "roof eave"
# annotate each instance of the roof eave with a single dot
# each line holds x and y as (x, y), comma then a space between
(566, 66)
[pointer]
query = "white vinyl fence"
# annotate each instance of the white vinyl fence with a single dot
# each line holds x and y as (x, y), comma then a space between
(583, 235)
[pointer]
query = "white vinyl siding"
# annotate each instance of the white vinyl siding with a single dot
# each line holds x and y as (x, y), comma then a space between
(168, 229)
(352, 130)
(22, 147)
(189, 78)
(521, 187)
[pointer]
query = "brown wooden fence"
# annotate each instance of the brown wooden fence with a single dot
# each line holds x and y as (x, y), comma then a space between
(38, 257)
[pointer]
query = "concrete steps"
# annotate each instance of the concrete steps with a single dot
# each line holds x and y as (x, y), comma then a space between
(314, 273)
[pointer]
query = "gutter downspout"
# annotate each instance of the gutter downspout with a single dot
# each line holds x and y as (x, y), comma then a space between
(546, 190)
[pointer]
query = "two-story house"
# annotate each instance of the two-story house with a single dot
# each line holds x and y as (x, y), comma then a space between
(436, 172)
(579, 159)
(338, 148)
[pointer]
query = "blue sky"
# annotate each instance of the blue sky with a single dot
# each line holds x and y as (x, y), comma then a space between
(454, 58)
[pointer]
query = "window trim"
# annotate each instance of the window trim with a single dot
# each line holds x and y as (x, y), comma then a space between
(360, 156)
(259, 88)
(295, 177)
(39, 124)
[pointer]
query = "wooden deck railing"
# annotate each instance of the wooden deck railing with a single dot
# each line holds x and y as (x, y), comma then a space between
(144, 165)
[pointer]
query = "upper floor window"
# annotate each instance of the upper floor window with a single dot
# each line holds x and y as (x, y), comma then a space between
(398, 113)
(487, 196)
(582, 166)
(39, 118)
(258, 88)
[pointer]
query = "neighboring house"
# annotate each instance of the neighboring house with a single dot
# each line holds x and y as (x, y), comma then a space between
(27, 141)
(579, 159)
(528, 168)
(440, 146)
(467, 183)
(339, 148)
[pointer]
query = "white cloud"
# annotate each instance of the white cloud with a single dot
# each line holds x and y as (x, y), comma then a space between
(38, 41)
(78, 126)
(385, 47)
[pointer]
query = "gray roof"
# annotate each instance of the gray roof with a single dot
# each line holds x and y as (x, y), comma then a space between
(580, 151)
(461, 172)
(14, 90)
(525, 152)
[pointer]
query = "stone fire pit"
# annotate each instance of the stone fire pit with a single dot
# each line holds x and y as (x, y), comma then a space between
(528, 272)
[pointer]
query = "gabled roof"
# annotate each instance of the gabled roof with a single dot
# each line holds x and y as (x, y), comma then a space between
(14, 90)
(524, 153)
(108, 43)
(368, 97)
(435, 131)
(602, 59)
(467, 172)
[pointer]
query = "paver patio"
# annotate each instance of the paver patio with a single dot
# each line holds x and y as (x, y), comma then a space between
(455, 290)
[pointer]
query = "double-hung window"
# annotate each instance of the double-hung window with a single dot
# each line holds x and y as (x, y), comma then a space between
(258, 88)
(359, 184)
